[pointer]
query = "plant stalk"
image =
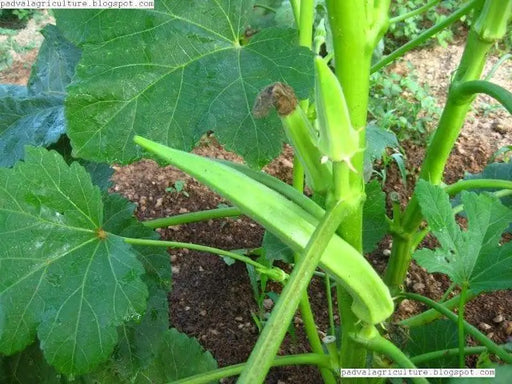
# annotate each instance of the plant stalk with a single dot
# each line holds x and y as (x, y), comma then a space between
(192, 217)
(450, 124)
(460, 324)
(280, 361)
(272, 272)
(382, 345)
(414, 12)
(270, 339)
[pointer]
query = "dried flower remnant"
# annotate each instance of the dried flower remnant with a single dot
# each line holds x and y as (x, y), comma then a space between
(278, 95)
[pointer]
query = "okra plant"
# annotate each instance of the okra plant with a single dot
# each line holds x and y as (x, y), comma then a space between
(83, 288)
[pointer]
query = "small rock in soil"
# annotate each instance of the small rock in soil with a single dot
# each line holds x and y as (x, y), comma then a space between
(239, 318)
(418, 287)
(484, 326)
(498, 319)
(202, 312)
(508, 328)
(268, 304)
(175, 269)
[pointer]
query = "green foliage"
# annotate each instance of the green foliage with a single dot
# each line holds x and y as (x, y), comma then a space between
(34, 115)
(410, 28)
(438, 335)
(472, 257)
(73, 264)
(140, 87)
(401, 104)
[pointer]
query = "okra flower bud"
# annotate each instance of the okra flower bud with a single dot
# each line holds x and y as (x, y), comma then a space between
(339, 141)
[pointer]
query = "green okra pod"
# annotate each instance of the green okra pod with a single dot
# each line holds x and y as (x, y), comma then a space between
(372, 301)
(338, 140)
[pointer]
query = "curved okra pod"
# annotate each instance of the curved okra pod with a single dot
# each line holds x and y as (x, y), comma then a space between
(371, 298)
(299, 131)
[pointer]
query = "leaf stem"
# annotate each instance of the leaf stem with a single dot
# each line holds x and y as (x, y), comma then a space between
(303, 359)
(202, 248)
(469, 88)
(270, 339)
(330, 312)
(419, 359)
(475, 333)
(463, 185)
(424, 36)
(460, 324)
(192, 217)
(432, 314)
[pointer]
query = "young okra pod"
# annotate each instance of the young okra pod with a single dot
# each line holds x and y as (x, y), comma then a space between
(338, 140)
(299, 131)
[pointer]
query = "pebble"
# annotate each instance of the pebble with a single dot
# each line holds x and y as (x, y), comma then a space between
(418, 287)
(213, 331)
(386, 252)
(187, 308)
(159, 202)
(484, 326)
(268, 304)
(202, 312)
(183, 210)
(508, 328)
(175, 269)
(173, 258)
(201, 269)
(240, 326)
(498, 319)
(239, 318)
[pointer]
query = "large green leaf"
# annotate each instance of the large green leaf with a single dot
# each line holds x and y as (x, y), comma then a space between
(473, 256)
(375, 224)
(34, 115)
(438, 335)
(502, 171)
(175, 72)
(63, 275)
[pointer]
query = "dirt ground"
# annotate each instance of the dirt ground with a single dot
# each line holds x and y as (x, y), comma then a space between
(213, 301)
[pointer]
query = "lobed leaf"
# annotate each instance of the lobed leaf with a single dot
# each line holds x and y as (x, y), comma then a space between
(62, 274)
(473, 256)
(175, 72)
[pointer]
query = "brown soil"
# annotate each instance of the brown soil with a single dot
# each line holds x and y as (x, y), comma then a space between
(213, 301)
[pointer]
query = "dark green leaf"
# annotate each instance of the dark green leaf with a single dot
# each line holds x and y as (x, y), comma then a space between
(177, 356)
(29, 367)
(377, 140)
(375, 223)
(275, 249)
(503, 376)
(55, 65)
(34, 115)
(24, 119)
(473, 256)
(438, 335)
(62, 275)
(502, 171)
(173, 73)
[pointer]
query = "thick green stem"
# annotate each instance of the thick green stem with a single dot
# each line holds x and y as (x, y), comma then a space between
(452, 118)
(304, 359)
(475, 333)
(270, 339)
(192, 217)
(273, 272)
(425, 36)
(414, 12)
(460, 325)
(355, 29)
(382, 345)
